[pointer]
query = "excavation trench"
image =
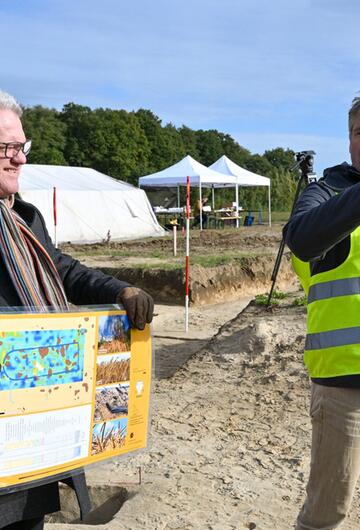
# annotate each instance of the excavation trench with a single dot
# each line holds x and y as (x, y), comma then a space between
(245, 277)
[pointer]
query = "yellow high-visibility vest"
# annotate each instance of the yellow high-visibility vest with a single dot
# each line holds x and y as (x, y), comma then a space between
(302, 269)
(332, 345)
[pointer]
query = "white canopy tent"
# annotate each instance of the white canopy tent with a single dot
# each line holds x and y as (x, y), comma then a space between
(243, 177)
(91, 207)
(200, 176)
(176, 175)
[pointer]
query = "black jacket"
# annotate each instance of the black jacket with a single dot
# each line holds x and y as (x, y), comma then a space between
(319, 229)
(83, 286)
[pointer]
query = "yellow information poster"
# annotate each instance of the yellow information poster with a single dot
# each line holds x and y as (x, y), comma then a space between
(74, 390)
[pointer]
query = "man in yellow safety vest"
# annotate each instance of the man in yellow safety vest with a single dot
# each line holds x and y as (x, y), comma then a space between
(324, 231)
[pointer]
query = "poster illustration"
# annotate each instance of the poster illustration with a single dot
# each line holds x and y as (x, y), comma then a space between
(41, 357)
(74, 390)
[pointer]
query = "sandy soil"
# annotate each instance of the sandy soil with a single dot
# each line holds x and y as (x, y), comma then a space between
(230, 433)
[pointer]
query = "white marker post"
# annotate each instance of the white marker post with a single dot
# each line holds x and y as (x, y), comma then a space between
(174, 238)
(187, 254)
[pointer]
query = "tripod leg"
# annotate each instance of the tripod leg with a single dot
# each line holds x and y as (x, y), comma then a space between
(278, 260)
(302, 179)
(276, 270)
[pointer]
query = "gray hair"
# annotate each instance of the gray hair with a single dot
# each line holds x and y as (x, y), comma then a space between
(354, 112)
(8, 102)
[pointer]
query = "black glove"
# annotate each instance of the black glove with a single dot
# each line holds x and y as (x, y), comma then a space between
(138, 305)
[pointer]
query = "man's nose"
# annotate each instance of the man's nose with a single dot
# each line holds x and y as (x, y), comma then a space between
(19, 158)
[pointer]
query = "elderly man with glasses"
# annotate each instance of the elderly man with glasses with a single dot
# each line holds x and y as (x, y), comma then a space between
(34, 273)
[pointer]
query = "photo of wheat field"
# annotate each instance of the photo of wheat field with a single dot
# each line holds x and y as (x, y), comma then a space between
(113, 369)
(109, 436)
(111, 402)
(114, 334)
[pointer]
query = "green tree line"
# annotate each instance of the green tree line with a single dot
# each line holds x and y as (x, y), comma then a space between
(128, 145)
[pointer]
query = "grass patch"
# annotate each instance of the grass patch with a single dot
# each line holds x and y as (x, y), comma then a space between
(164, 259)
(279, 295)
(300, 300)
(262, 299)
(163, 265)
(206, 261)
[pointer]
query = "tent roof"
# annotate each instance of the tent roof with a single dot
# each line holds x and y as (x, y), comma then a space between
(177, 174)
(40, 177)
(245, 177)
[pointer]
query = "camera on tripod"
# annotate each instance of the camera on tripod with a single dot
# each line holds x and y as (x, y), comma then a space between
(305, 162)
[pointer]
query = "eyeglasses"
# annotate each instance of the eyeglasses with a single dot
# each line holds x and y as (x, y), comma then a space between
(12, 149)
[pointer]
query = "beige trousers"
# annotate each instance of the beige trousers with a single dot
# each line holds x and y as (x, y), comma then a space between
(335, 457)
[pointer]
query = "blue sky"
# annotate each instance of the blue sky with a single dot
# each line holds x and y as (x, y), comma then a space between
(270, 74)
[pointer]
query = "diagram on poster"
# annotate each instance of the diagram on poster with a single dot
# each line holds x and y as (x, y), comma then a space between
(74, 389)
(43, 357)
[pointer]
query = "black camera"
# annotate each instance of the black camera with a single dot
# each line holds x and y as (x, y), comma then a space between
(305, 162)
(303, 154)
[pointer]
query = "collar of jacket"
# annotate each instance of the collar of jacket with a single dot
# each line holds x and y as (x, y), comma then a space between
(341, 177)
(25, 210)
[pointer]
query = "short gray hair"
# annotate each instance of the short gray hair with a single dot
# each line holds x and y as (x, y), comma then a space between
(354, 112)
(8, 102)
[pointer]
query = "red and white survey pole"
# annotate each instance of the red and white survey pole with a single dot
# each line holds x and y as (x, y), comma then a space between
(187, 254)
(55, 216)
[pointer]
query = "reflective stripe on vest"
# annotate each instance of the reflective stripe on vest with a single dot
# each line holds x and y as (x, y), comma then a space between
(334, 288)
(333, 338)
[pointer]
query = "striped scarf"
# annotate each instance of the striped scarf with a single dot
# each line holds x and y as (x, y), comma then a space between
(30, 267)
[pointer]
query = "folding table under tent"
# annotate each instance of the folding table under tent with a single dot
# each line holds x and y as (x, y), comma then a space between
(90, 206)
(244, 177)
(200, 176)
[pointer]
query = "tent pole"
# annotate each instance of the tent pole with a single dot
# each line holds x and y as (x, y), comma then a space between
(178, 195)
(174, 240)
(213, 197)
(269, 205)
(187, 253)
(200, 197)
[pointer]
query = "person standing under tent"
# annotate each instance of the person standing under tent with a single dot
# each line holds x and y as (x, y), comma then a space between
(199, 212)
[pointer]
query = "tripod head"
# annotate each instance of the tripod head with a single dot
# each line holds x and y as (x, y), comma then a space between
(305, 162)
